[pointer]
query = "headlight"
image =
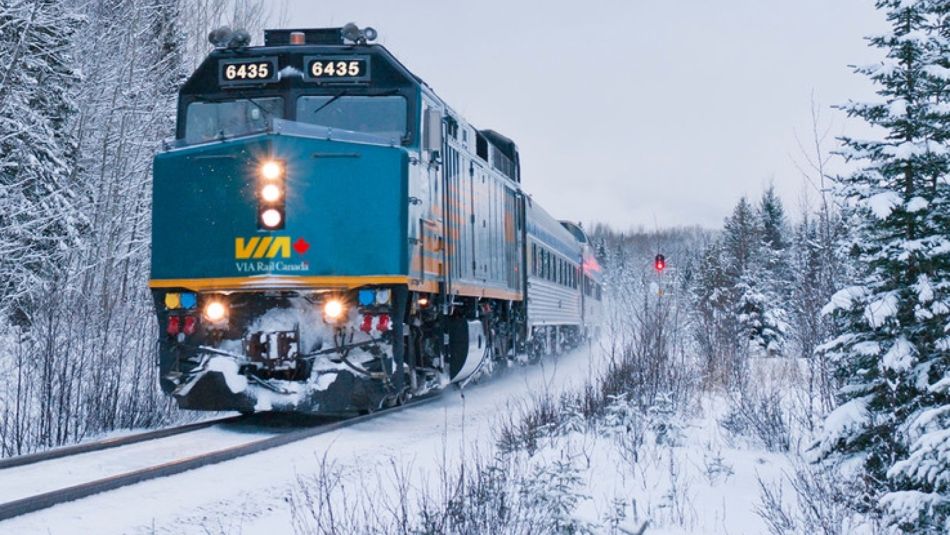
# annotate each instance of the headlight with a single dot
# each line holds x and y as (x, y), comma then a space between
(271, 193)
(333, 310)
(215, 311)
(271, 170)
(383, 296)
(271, 218)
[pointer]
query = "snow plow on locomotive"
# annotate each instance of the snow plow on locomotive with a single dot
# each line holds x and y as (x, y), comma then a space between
(330, 237)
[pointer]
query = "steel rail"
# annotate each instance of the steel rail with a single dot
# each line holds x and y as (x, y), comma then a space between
(48, 499)
(99, 445)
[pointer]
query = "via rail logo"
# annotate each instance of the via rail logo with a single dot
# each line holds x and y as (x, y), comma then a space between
(268, 254)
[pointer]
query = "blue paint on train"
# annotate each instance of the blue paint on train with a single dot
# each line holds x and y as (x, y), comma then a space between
(338, 194)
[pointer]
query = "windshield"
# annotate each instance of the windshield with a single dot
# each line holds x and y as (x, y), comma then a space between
(206, 121)
(381, 115)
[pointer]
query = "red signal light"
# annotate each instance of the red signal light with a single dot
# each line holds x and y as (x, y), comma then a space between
(190, 324)
(367, 324)
(383, 324)
(174, 325)
(659, 263)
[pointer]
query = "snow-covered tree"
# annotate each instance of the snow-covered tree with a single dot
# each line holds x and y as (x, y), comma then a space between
(894, 345)
(815, 271)
(717, 330)
(774, 226)
(753, 245)
(741, 239)
(771, 275)
(40, 216)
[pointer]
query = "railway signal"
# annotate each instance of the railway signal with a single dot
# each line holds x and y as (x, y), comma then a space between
(659, 263)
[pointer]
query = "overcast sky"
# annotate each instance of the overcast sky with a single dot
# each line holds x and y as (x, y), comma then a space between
(632, 111)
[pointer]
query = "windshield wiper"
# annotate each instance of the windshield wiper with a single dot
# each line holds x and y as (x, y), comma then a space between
(267, 113)
(345, 92)
(333, 99)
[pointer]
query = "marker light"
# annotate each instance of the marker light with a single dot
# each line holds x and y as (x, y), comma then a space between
(188, 300)
(174, 324)
(189, 326)
(383, 324)
(215, 311)
(271, 218)
(172, 300)
(367, 324)
(366, 297)
(271, 193)
(423, 301)
(333, 310)
(383, 296)
(271, 170)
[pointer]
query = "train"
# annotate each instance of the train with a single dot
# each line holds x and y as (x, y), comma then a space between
(330, 237)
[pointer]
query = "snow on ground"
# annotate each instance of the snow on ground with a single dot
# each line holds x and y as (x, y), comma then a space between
(24, 481)
(703, 483)
(248, 495)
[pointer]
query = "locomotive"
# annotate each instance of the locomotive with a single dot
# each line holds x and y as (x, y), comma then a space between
(331, 237)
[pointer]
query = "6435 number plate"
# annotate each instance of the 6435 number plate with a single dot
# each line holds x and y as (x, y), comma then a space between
(337, 68)
(247, 71)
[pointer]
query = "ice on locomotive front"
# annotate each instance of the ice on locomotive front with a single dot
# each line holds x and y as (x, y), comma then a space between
(298, 261)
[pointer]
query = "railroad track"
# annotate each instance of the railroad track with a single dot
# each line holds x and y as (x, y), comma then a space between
(99, 445)
(48, 499)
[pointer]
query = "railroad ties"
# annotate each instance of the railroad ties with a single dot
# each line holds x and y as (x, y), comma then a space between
(48, 499)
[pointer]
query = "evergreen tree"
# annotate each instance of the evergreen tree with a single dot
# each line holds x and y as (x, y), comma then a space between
(717, 334)
(773, 273)
(39, 212)
(772, 220)
(814, 271)
(754, 279)
(740, 240)
(894, 347)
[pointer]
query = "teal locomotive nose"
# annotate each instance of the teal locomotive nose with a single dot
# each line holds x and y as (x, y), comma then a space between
(335, 194)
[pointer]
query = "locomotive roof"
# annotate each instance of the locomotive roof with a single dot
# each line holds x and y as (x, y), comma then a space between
(387, 73)
(394, 72)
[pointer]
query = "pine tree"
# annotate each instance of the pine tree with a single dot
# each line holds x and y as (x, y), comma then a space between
(39, 212)
(740, 239)
(894, 347)
(752, 261)
(773, 273)
(814, 269)
(772, 220)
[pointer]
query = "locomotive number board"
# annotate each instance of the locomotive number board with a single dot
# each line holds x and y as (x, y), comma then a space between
(337, 68)
(248, 71)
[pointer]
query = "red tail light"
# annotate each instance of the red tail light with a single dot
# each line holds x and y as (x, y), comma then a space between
(383, 324)
(190, 324)
(367, 324)
(174, 325)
